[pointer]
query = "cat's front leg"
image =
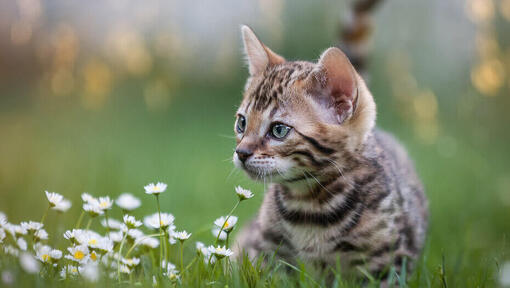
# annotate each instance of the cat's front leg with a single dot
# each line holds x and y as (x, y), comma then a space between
(255, 241)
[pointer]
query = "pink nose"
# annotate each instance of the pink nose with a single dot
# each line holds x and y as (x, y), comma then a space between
(243, 154)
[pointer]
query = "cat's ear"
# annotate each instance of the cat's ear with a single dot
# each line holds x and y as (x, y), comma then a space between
(257, 54)
(333, 83)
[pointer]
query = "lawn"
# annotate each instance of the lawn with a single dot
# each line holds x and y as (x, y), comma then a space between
(69, 150)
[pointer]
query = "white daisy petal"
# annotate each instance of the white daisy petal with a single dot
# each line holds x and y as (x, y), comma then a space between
(128, 202)
(29, 263)
(63, 206)
(93, 208)
(220, 251)
(226, 223)
(105, 203)
(153, 222)
(131, 222)
(112, 224)
(223, 235)
(155, 189)
(182, 235)
(243, 194)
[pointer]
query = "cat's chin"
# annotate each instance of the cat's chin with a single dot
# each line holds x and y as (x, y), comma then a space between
(263, 176)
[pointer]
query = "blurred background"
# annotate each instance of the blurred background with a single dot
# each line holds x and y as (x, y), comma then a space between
(107, 96)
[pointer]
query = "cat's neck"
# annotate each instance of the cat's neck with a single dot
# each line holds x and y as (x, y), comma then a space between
(335, 179)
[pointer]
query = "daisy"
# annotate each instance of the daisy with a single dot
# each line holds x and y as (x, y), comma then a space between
(22, 244)
(131, 222)
(41, 234)
(2, 235)
(170, 271)
(29, 263)
(46, 254)
(243, 194)
(223, 235)
(148, 242)
(72, 234)
(112, 224)
(78, 254)
(128, 202)
(93, 208)
(57, 201)
(88, 238)
(104, 245)
(220, 252)
(226, 223)
(105, 203)
(182, 236)
(11, 250)
(90, 272)
(53, 198)
(63, 206)
(201, 249)
(68, 270)
(15, 230)
(155, 189)
(87, 198)
(116, 236)
(504, 275)
(31, 226)
(124, 269)
(3, 219)
(135, 234)
(131, 262)
(153, 222)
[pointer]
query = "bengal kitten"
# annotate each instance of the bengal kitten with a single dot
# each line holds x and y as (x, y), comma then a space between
(339, 188)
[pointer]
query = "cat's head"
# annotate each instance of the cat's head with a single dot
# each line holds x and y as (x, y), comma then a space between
(298, 118)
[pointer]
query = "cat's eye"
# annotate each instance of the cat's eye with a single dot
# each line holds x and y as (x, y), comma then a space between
(279, 131)
(240, 124)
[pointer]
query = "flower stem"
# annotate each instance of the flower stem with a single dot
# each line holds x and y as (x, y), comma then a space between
(226, 220)
(120, 254)
(89, 223)
(77, 226)
(221, 228)
(140, 241)
(160, 238)
(182, 265)
(107, 223)
(45, 214)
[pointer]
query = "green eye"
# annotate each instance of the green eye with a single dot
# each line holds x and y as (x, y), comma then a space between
(279, 131)
(240, 124)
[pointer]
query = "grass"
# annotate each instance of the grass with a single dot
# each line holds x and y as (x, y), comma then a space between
(61, 147)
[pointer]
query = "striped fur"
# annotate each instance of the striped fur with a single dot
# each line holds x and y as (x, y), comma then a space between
(339, 188)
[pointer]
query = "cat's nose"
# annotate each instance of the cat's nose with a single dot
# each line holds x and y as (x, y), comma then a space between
(243, 154)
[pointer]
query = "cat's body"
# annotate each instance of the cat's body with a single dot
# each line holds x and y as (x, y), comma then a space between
(340, 189)
(371, 215)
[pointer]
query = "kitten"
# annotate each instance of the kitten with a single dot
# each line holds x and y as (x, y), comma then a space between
(339, 188)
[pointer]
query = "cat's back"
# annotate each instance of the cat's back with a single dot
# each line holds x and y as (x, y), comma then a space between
(410, 193)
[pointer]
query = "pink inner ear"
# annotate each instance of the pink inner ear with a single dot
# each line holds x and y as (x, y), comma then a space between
(340, 82)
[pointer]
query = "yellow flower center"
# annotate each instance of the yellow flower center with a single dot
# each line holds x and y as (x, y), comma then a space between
(225, 226)
(45, 257)
(92, 242)
(103, 204)
(74, 270)
(161, 223)
(79, 255)
(93, 256)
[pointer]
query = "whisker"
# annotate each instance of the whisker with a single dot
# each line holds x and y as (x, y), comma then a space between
(227, 136)
(332, 194)
(340, 172)
(231, 172)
